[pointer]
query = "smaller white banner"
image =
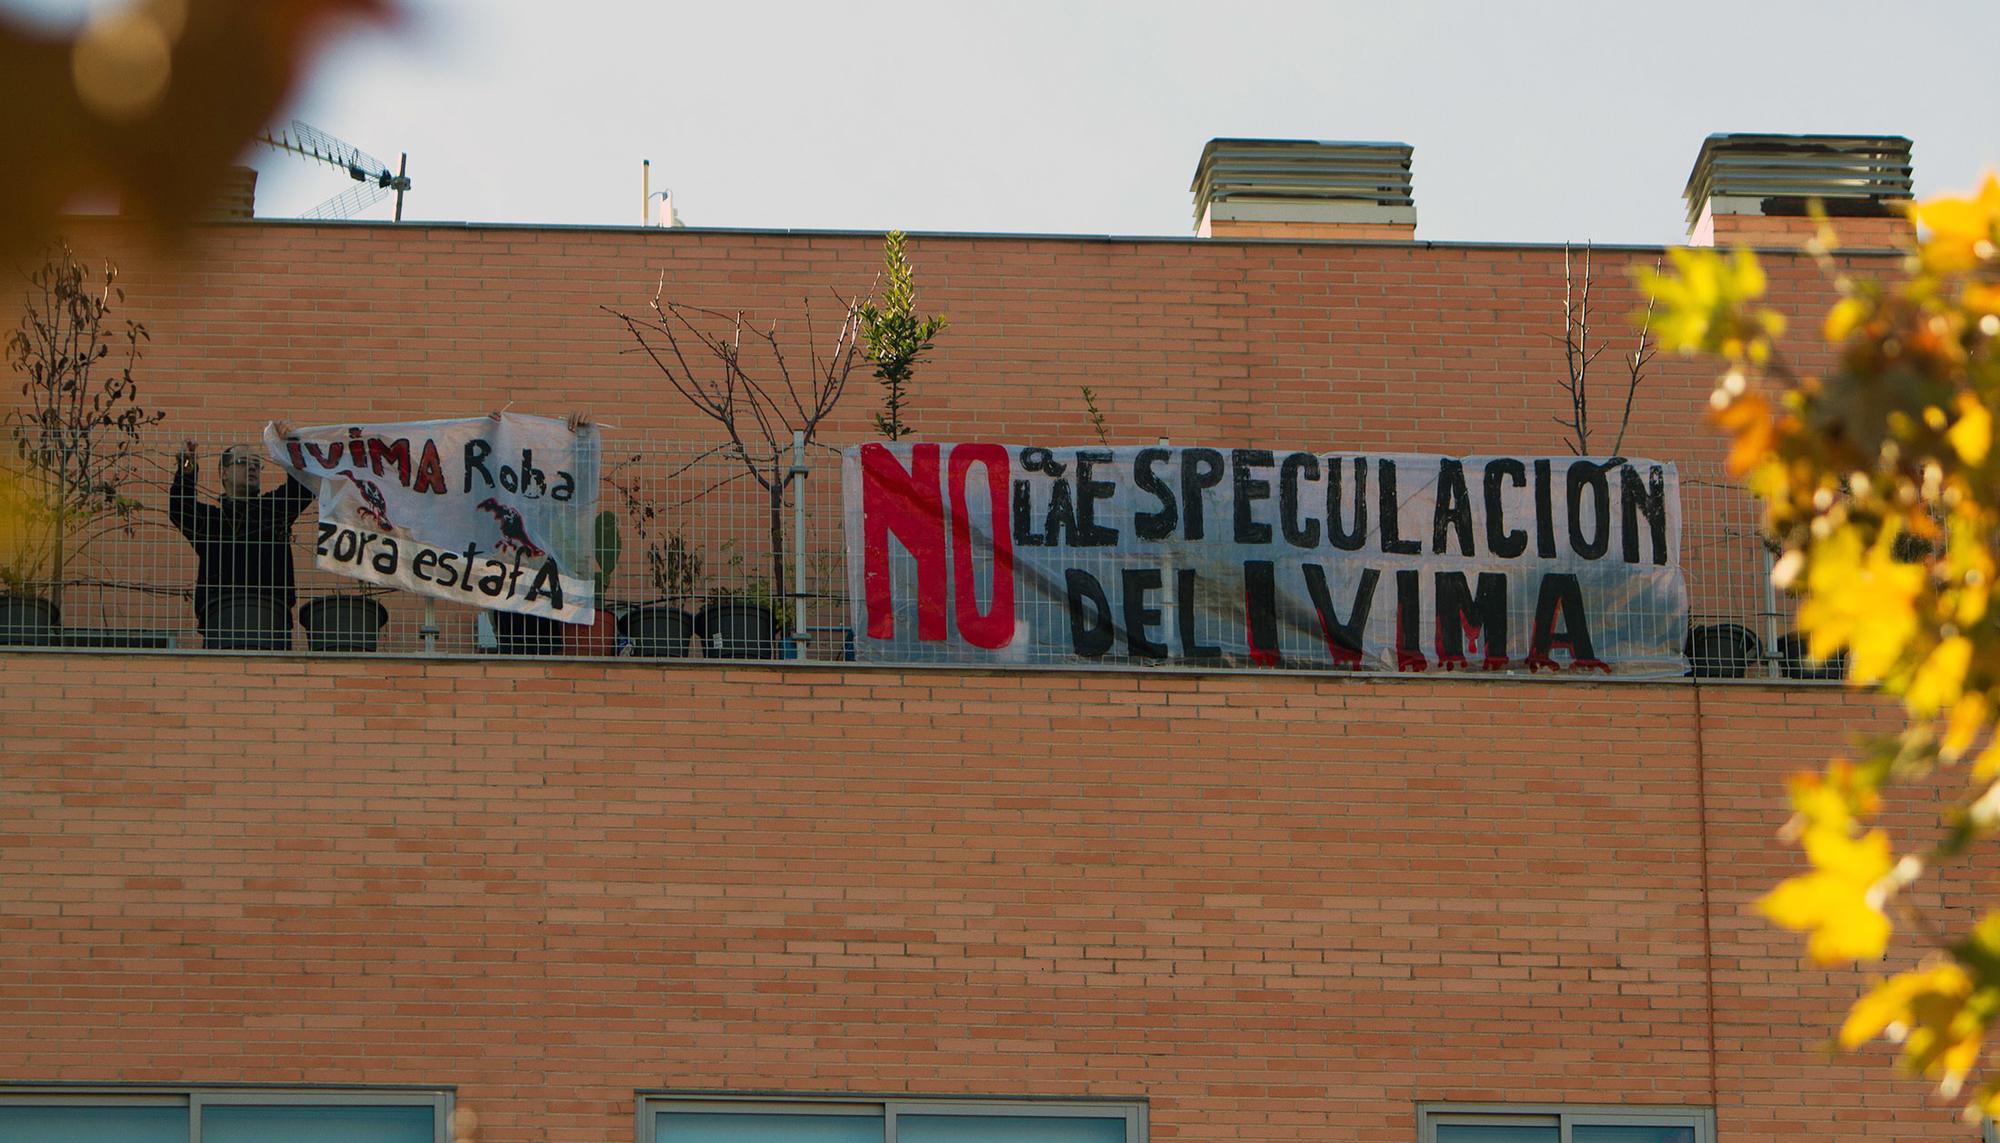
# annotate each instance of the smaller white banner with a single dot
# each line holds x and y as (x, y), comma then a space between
(492, 512)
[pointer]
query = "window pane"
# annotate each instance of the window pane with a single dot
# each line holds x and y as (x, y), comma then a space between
(1009, 1129)
(319, 1123)
(28, 1124)
(753, 1127)
(1580, 1133)
(1496, 1133)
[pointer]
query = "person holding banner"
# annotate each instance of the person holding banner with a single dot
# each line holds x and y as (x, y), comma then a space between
(496, 513)
(243, 587)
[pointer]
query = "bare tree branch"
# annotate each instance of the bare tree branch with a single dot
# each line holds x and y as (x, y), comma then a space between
(1579, 354)
(759, 408)
(1635, 367)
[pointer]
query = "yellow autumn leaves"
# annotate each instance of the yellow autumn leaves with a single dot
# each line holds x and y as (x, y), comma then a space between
(18, 514)
(1703, 305)
(1881, 493)
(1971, 432)
(1930, 1013)
(1839, 903)
(1959, 231)
(1860, 597)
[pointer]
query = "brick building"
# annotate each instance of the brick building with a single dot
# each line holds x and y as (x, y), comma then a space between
(305, 897)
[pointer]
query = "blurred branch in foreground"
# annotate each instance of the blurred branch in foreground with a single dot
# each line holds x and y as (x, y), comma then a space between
(151, 101)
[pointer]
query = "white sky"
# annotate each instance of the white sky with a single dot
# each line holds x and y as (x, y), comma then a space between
(1533, 120)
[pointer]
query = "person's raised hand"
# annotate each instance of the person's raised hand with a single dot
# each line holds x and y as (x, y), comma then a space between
(577, 421)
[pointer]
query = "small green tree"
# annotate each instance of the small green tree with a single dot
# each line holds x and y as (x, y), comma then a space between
(896, 338)
(1096, 415)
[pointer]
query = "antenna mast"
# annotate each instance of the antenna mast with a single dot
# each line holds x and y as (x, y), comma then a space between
(309, 142)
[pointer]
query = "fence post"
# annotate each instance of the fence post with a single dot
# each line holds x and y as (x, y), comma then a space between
(1770, 667)
(1170, 605)
(800, 472)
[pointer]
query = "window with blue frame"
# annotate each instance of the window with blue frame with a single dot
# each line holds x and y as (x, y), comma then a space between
(772, 1119)
(222, 1115)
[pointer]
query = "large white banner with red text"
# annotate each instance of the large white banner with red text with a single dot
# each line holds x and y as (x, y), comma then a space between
(994, 554)
(495, 512)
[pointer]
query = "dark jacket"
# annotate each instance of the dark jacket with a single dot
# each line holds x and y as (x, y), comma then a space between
(238, 544)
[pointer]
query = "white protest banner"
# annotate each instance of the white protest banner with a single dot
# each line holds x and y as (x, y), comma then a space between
(493, 512)
(990, 554)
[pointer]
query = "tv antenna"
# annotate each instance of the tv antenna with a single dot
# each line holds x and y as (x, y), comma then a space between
(309, 142)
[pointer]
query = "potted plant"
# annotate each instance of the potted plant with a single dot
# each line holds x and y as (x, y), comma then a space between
(518, 633)
(343, 621)
(770, 407)
(744, 618)
(744, 622)
(663, 630)
(1721, 650)
(661, 627)
(896, 339)
(600, 635)
(739, 375)
(69, 467)
(26, 618)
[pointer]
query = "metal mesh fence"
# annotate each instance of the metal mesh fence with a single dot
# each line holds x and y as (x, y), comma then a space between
(710, 565)
(695, 575)
(1738, 624)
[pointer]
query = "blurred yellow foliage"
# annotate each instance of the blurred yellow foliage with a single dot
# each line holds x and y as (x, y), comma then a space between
(1881, 490)
(1928, 1011)
(1703, 303)
(1863, 600)
(1835, 902)
(15, 506)
(1960, 230)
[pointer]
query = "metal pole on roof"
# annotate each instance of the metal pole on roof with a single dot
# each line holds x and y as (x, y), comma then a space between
(799, 473)
(1770, 614)
(1170, 603)
(645, 189)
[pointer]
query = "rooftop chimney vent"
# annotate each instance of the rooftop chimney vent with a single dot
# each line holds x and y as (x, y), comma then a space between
(1295, 188)
(1739, 179)
(238, 196)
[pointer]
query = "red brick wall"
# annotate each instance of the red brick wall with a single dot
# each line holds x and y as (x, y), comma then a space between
(1278, 907)
(1328, 346)
(1452, 349)
(1791, 232)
